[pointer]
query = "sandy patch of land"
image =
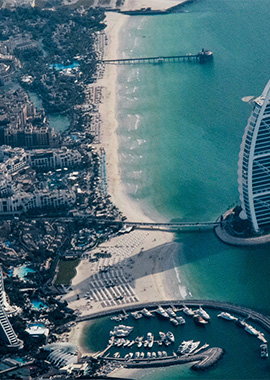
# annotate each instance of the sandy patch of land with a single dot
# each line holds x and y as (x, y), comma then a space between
(144, 261)
(153, 4)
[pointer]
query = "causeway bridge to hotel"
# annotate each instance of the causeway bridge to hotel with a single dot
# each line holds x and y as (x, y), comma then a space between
(160, 226)
(202, 57)
(166, 226)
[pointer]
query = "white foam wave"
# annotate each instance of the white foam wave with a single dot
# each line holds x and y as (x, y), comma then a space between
(141, 141)
(137, 121)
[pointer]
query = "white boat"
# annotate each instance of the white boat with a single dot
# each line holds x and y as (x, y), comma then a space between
(164, 353)
(162, 312)
(162, 335)
(136, 315)
(138, 341)
(170, 336)
(139, 344)
(148, 355)
(199, 319)
(142, 355)
(126, 343)
(262, 337)
(184, 345)
(203, 313)
(116, 355)
(159, 354)
(146, 313)
(137, 355)
(171, 312)
(154, 355)
(227, 316)
(251, 330)
(150, 339)
(189, 348)
(181, 320)
(193, 347)
(120, 342)
(174, 321)
(111, 340)
(131, 343)
(145, 343)
(121, 331)
(188, 311)
(264, 350)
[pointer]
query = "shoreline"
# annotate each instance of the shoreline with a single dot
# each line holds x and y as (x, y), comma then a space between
(153, 272)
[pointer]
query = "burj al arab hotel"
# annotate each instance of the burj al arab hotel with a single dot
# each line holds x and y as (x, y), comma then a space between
(254, 164)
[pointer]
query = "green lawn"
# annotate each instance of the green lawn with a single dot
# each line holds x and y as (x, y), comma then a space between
(67, 270)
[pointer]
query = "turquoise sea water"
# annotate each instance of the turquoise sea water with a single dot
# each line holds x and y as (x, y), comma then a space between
(180, 129)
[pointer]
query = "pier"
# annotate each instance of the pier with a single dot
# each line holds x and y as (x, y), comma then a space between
(202, 57)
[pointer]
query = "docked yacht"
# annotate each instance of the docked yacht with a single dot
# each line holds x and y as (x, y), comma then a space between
(136, 314)
(199, 319)
(162, 335)
(116, 355)
(193, 347)
(188, 311)
(121, 331)
(227, 316)
(264, 350)
(146, 313)
(203, 313)
(171, 312)
(181, 320)
(170, 336)
(262, 337)
(150, 339)
(139, 341)
(162, 312)
(183, 346)
(137, 355)
(251, 330)
(174, 321)
(187, 347)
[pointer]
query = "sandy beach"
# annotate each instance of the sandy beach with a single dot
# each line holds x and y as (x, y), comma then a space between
(141, 266)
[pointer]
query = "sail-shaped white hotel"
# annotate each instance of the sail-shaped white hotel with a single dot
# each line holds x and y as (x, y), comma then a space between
(254, 164)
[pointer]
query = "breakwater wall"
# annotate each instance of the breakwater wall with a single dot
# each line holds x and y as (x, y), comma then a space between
(203, 360)
(243, 311)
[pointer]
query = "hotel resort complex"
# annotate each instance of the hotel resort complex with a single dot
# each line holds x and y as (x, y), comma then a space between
(254, 164)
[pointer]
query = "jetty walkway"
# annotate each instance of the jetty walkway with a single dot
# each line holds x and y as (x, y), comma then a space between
(202, 57)
(245, 312)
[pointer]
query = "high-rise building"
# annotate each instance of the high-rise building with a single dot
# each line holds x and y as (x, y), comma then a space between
(7, 334)
(254, 164)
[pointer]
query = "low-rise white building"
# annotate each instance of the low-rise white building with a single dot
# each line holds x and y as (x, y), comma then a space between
(53, 158)
(23, 202)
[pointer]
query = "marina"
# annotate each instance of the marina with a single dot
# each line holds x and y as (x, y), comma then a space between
(152, 349)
